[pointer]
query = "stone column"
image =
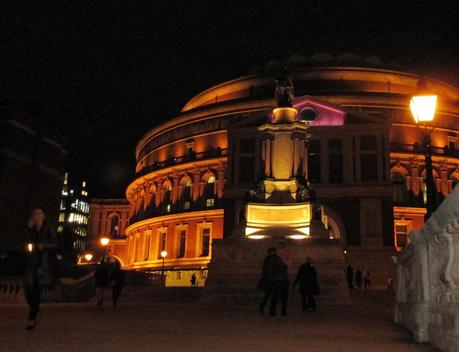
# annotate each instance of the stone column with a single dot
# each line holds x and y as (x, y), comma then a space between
(444, 180)
(195, 186)
(221, 183)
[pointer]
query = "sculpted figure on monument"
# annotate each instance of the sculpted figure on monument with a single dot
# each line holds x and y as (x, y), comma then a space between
(284, 91)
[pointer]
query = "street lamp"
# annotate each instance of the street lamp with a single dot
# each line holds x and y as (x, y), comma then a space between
(163, 255)
(104, 241)
(88, 257)
(423, 105)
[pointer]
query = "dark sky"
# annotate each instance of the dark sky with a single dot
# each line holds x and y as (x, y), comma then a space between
(105, 72)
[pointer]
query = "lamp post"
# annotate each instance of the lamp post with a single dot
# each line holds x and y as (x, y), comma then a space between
(104, 241)
(423, 105)
(163, 255)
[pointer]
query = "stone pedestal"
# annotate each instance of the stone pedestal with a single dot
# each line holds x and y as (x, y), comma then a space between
(236, 267)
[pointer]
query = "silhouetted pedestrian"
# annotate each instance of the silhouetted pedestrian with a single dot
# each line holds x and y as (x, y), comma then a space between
(358, 278)
(367, 279)
(40, 244)
(350, 276)
(101, 276)
(117, 282)
(273, 282)
(309, 287)
(193, 280)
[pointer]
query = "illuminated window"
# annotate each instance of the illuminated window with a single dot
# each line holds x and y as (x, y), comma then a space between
(71, 217)
(162, 243)
(147, 246)
(401, 230)
(181, 244)
(209, 192)
(185, 197)
(60, 228)
(62, 217)
(205, 242)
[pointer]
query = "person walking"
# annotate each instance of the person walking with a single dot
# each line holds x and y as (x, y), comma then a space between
(309, 287)
(366, 279)
(40, 245)
(101, 276)
(117, 282)
(350, 276)
(193, 280)
(273, 280)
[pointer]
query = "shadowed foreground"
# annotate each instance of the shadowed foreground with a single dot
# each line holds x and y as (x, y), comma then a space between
(192, 327)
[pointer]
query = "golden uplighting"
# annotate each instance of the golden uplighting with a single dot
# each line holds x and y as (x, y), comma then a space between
(298, 237)
(256, 237)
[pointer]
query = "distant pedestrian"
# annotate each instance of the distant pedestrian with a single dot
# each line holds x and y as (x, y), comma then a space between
(101, 276)
(40, 245)
(274, 283)
(367, 279)
(358, 278)
(309, 287)
(390, 282)
(193, 280)
(350, 276)
(117, 282)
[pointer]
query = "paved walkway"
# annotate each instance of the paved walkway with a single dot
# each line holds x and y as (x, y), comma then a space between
(190, 327)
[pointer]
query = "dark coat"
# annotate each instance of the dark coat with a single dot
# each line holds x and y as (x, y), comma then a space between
(40, 263)
(274, 270)
(117, 277)
(307, 278)
(101, 275)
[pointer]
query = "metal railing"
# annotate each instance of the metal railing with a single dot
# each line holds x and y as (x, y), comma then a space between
(214, 153)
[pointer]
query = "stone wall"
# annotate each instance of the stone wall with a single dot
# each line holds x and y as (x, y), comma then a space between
(428, 279)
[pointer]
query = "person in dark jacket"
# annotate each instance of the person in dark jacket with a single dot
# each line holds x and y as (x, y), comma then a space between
(117, 282)
(274, 283)
(40, 245)
(309, 287)
(101, 276)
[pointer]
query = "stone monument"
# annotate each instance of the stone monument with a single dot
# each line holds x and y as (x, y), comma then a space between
(279, 209)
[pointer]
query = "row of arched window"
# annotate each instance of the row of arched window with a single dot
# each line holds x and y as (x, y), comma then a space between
(160, 198)
(403, 193)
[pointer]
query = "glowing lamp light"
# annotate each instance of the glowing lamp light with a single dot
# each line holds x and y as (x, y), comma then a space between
(30, 247)
(88, 257)
(104, 241)
(297, 237)
(423, 107)
(163, 254)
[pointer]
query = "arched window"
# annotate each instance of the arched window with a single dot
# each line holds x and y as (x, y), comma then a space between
(399, 188)
(209, 192)
(185, 196)
(167, 198)
(114, 226)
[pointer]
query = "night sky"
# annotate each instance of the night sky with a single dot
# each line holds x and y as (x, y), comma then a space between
(105, 72)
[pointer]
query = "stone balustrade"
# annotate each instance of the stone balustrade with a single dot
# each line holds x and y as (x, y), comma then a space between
(427, 301)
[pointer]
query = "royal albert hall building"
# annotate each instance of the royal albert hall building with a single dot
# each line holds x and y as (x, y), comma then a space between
(193, 171)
